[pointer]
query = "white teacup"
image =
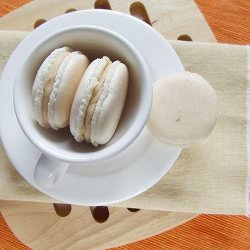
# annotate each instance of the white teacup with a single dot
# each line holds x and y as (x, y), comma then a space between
(58, 147)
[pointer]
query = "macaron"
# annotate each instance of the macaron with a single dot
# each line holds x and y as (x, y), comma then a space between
(184, 109)
(99, 101)
(55, 85)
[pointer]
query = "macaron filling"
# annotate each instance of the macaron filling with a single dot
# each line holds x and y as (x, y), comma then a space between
(48, 85)
(96, 94)
(103, 94)
(42, 86)
(79, 132)
(56, 87)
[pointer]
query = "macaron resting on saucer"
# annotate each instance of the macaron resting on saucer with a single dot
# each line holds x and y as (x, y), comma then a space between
(99, 101)
(184, 109)
(55, 85)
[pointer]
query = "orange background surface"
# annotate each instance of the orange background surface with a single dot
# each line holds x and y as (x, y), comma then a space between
(230, 22)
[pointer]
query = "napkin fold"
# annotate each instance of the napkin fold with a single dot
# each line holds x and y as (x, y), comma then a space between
(210, 177)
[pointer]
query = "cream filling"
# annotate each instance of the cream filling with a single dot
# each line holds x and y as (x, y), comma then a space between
(107, 88)
(38, 86)
(93, 101)
(48, 86)
(56, 87)
(90, 83)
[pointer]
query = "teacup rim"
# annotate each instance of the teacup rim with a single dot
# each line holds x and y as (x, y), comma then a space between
(120, 144)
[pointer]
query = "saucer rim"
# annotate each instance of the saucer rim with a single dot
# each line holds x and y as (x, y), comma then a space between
(54, 23)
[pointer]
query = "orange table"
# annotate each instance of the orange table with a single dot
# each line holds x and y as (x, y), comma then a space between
(230, 22)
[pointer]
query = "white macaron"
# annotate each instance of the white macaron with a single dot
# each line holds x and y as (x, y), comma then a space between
(184, 109)
(99, 101)
(55, 85)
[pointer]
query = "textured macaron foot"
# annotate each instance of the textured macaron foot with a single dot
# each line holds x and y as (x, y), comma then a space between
(184, 109)
(55, 85)
(99, 101)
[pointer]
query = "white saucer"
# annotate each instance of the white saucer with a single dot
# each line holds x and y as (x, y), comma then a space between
(128, 174)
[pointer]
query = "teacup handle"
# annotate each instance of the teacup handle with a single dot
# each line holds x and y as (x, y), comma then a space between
(49, 172)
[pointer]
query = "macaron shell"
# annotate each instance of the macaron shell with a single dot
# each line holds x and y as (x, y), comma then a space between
(83, 94)
(110, 105)
(66, 82)
(184, 109)
(42, 76)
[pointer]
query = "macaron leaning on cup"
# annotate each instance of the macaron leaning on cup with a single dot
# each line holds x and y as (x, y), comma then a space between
(184, 109)
(55, 85)
(99, 101)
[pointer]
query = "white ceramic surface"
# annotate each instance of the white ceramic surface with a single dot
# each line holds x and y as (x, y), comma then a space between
(59, 147)
(94, 42)
(109, 181)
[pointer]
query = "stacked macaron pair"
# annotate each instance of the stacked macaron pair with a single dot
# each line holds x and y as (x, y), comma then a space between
(68, 91)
